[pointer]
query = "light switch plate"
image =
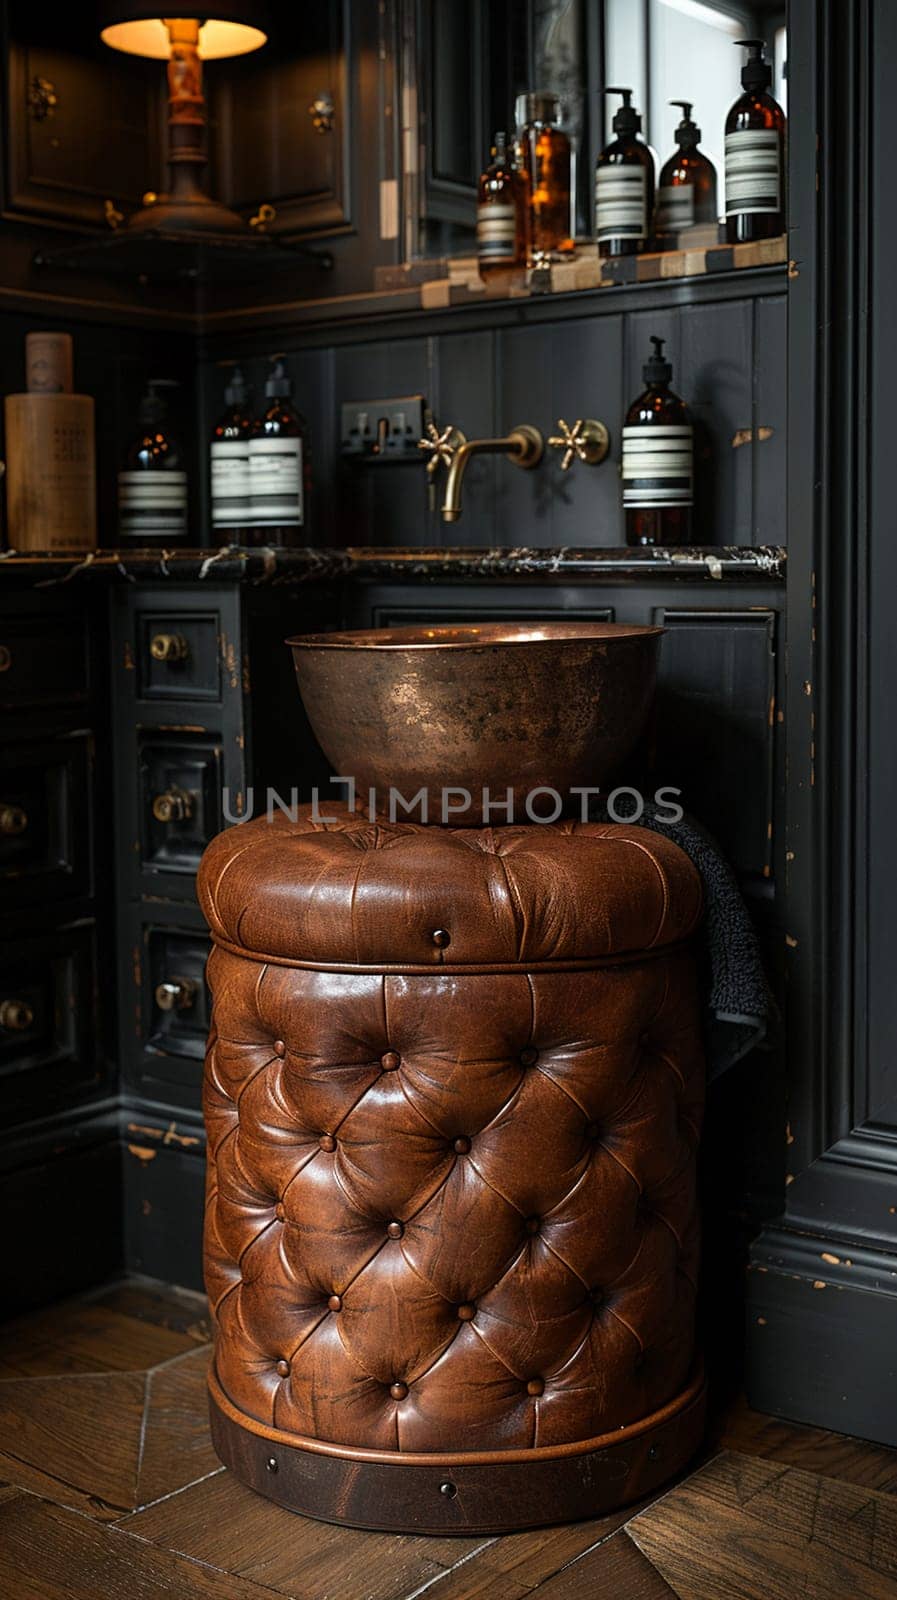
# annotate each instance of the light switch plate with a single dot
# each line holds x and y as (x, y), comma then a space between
(382, 430)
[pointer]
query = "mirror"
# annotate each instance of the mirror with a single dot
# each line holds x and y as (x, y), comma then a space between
(467, 60)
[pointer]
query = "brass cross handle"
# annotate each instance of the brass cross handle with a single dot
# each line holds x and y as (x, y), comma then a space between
(587, 441)
(441, 447)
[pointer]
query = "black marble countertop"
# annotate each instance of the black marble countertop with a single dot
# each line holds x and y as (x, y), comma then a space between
(232, 564)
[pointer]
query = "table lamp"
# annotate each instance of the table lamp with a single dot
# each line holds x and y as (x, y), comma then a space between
(185, 42)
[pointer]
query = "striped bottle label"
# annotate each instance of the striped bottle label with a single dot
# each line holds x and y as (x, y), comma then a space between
(275, 482)
(230, 483)
(753, 171)
(496, 231)
(657, 465)
(675, 207)
(621, 209)
(152, 505)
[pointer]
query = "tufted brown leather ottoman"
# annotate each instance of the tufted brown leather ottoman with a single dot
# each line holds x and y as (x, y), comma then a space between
(453, 1093)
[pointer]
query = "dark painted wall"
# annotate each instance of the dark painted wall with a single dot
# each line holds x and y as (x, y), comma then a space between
(729, 365)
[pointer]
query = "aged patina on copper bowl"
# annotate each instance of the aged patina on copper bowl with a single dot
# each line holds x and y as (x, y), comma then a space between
(494, 705)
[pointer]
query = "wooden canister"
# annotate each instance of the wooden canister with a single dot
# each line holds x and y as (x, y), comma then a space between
(51, 500)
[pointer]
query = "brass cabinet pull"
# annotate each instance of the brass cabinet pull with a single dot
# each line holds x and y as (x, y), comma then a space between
(169, 647)
(15, 1015)
(587, 441)
(12, 819)
(175, 805)
(176, 994)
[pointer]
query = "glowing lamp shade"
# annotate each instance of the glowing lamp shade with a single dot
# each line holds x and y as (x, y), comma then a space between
(218, 37)
(185, 42)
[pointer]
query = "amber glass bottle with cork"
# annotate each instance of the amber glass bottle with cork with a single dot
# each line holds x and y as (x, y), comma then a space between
(544, 157)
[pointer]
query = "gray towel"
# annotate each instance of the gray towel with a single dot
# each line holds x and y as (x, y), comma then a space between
(741, 1011)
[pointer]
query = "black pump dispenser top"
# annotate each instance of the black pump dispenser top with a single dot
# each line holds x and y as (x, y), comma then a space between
(657, 369)
(626, 118)
(756, 73)
(687, 134)
(279, 385)
(153, 407)
(236, 391)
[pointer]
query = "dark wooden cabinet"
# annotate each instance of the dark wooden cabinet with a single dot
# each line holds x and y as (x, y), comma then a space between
(81, 126)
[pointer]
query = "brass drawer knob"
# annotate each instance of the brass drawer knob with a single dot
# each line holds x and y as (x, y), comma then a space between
(169, 647)
(15, 1015)
(175, 805)
(12, 819)
(176, 994)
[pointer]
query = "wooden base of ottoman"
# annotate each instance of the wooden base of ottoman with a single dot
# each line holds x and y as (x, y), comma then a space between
(498, 1492)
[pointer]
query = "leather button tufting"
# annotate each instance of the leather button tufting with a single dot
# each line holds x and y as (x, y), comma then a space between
(535, 1387)
(390, 1061)
(335, 1303)
(533, 1224)
(466, 1312)
(593, 1131)
(398, 1390)
(280, 1048)
(327, 1142)
(461, 1145)
(529, 1056)
(283, 1368)
(395, 1230)
(441, 938)
(279, 1211)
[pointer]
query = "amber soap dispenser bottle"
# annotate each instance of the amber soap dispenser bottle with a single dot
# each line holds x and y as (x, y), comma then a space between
(755, 155)
(686, 193)
(624, 186)
(279, 466)
(658, 453)
(502, 216)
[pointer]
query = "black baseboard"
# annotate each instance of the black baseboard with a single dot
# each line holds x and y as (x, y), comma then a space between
(822, 1332)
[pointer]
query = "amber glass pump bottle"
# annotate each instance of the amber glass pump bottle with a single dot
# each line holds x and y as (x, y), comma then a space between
(502, 216)
(755, 155)
(686, 193)
(279, 466)
(624, 186)
(657, 468)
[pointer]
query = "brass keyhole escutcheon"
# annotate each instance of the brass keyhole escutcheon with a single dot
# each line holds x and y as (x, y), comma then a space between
(176, 994)
(13, 820)
(169, 647)
(15, 1015)
(175, 805)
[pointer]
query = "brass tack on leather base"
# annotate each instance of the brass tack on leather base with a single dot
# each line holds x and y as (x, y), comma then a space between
(463, 1493)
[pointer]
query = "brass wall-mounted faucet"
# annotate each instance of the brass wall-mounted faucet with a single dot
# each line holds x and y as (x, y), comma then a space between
(523, 445)
(587, 441)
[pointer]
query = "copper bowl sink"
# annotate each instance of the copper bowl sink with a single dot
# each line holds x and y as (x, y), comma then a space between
(489, 705)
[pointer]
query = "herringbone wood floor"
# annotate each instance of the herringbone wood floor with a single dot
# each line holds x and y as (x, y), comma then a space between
(109, 1490)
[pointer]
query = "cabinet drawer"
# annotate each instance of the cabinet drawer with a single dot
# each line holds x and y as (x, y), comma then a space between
(180, 799)
(47, 984)
(164, 1049)
(43, 661)
(44, 819)
(178, 655)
